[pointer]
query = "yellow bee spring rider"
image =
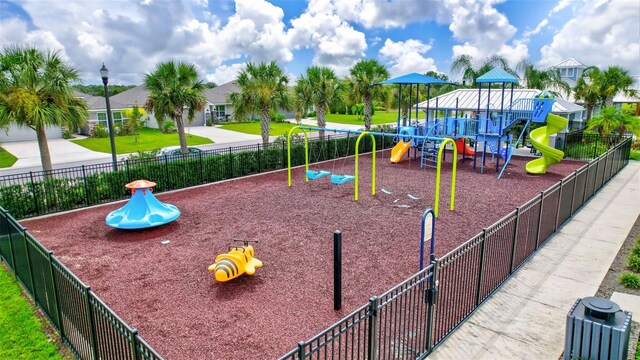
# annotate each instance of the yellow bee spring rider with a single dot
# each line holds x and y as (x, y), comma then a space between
(237, 261)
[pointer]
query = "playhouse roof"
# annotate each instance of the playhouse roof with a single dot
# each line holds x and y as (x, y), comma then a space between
(497, 75)
(140, 184)
(413, 78)
(468, 100)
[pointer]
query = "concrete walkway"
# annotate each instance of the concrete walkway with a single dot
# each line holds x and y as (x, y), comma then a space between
(525, 318)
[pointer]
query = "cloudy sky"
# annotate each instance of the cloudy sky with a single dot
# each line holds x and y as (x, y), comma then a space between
(220, 36)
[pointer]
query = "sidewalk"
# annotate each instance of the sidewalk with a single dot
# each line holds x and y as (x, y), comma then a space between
(525, 318)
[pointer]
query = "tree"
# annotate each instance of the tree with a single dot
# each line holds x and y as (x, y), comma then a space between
(174, 87)
(612, 81)
(549, 79)
(36, 90)
(321, 87)
(587, 92)
(263, 87)
(464, 65)
(362, 75)
(135, 120)
(611, 119)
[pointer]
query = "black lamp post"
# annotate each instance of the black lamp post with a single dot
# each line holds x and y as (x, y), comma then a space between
(104, 73)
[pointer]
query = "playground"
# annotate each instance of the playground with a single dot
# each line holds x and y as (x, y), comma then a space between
(158, 281)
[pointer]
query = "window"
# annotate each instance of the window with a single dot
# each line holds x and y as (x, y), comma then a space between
(220, 111)
(117, 118)
(570, 72)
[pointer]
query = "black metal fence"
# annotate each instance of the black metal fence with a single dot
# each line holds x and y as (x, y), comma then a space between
(409, 320)
(85, 323)
(38, 193)
(583, 144)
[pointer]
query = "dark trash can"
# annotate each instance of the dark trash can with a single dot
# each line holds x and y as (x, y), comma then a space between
(597, 329)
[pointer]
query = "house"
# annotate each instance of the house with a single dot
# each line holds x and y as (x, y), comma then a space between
(97, 115)
(218, 108)
(465, 101)
(137, 95)
(98, 112)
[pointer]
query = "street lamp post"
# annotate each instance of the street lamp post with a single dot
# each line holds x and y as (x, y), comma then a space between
(104, 73)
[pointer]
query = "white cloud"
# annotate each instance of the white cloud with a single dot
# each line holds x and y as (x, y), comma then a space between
(225, 73)
(560, 6)
(536, 30)
(404, 57)
(601, 34)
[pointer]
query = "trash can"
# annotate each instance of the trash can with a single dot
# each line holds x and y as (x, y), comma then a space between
(597, 329)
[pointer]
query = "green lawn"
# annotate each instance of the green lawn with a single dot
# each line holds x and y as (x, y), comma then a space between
(380, 117)
(6, 158)
(148, 139)
(22, 336)
(277, 129)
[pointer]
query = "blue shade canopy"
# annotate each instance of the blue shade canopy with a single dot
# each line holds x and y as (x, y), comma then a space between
(413, 78)
(497, 75)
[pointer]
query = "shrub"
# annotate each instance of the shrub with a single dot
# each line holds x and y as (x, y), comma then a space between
(279, 117)
(629, 280)
(144, 154)
(635, 155)
(67, 134)
(209, 122)
(636, 250)
(311, 113)
(168, 127)
(342, 110)
(119, 129)
(99, 131)
(634, 263)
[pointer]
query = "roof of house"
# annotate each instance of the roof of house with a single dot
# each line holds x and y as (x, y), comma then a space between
(218, 95)
(468, 100)
(129, 97)
(497, 75)
(570, 62)
(96, 103)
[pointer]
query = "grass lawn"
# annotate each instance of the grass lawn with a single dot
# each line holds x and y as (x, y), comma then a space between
(6, 158)
(380, 117)
(253, 128)
(148, 139)
(22, 336)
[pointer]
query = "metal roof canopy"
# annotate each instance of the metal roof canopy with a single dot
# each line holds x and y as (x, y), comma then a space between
(497, 75)
(413, 78)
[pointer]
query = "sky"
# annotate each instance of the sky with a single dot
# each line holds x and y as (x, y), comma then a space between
(220, 36)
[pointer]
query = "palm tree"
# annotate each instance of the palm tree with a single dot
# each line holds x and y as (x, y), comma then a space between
(586, 90)
(612, 81)
(263, 87)
(174, 86)
(549, 79)
(321, 87)
(611, 119)
(36, 90)
(463, 65)
(364, 74)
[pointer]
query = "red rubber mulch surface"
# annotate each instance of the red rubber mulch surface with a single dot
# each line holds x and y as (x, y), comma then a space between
(167, 293)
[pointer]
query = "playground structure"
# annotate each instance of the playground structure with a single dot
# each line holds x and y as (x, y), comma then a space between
(143, 210)
(490, 131)
(239, 260)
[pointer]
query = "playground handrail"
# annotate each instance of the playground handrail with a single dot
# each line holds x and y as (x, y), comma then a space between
(436, 201)
(306, 154)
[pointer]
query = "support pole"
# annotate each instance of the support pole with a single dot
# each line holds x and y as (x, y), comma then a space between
(337, 270)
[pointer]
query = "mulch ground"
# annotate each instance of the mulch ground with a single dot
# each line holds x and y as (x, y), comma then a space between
(167, 293)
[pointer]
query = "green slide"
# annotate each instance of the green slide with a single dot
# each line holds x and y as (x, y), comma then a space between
(540, 140)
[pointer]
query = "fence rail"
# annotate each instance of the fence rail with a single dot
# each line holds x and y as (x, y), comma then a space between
(583, 144)
(406, 321)
(85, 323)
(44, 192)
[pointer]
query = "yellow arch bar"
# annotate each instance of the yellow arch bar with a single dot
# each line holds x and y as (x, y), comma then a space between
(373, 165)
(306, 154)
(453, 175)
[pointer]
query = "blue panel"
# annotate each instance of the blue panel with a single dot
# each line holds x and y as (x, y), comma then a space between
(341, 179)
(497, 75)
(312, 175)
(413, 78)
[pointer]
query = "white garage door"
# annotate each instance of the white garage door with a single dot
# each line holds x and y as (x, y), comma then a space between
(25, 134)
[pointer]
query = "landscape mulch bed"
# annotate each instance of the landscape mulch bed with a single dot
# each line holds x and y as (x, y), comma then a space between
(167, 293)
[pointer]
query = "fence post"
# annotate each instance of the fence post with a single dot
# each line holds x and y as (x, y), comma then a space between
(337, 270)
(166, 172)
(595, 148)
(555, 225)
(134, 343)
(604, 170)
(373, 326)
(86, 186)
(284, 154)
(539, 219)
(26, 250)
(586, 185)
(481, 267)
(55, 293)
(92, 330)
(230, 164)
(573, 195)
(301, 352)
(35, 195)
(515, 239)
(259, 162)
(13, 254)
(432, 300)
(126, 166)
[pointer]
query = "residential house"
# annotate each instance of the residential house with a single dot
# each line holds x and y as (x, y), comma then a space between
(218, 108)
(98, 112)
